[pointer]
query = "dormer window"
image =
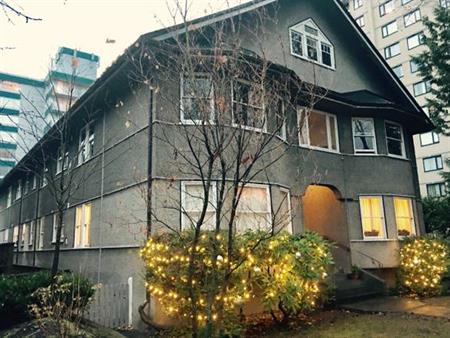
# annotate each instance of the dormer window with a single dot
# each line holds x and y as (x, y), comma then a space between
(309, 43)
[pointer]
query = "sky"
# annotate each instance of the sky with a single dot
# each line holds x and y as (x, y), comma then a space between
(26, 48)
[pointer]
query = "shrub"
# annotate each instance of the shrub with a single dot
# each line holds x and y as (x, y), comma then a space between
(288, 269)
(292, 272)
(423, 262)
(16, 294)
(436, 212)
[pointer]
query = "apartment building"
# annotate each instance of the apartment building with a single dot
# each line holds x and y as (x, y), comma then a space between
(29, 107)
(395, 27)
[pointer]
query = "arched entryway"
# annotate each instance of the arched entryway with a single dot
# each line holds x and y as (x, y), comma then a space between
(324, 213)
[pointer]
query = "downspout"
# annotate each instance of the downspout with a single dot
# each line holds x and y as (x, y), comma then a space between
(102, 191)
(346, 200)
(36, 214)
(150, 163)
(19, 240)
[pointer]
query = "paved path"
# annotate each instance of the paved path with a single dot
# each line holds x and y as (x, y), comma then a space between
(432, 307)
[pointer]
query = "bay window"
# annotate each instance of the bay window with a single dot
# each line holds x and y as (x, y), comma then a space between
(253, 210)
(404, 216)
(192, 202)
(82, 236)
(372, 217)
(197, 104)
(364, 140)
(318, 130)
(394, 139)
(248, 107)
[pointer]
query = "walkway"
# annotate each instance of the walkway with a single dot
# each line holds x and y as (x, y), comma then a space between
(431, 307)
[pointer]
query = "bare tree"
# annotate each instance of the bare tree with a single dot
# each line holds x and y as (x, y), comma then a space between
(236, 108)
(10, 9)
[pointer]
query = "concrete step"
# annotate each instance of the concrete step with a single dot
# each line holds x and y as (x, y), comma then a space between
(349, 290)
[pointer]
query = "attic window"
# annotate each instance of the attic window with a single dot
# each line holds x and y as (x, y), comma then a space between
(309, 43)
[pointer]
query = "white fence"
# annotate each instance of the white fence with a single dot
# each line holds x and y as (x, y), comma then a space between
(112, 305)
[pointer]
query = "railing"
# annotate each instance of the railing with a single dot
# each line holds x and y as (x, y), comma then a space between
(371, 258)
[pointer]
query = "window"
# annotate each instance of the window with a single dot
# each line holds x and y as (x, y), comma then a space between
(415, 40)
(192, 199)
(421, 88)
(318, 130)
(387, 7)
(372, 217)
(19, 189)
(389, 29)
(55, 229)
(16, 235)
(436, 189)
(44, 180)
(83, 226)
(40, 233)
(285, 213)
(429, 138)
(394, 139)
(392, 50)
(24, 234)
(360, 21)
(445, 3)
(62, 162)
(248, 110)
(398, 70)
(357, 4)
(9, 198)
(364, 140)
(280, 120)
(34, 182)
(31, 233)
(404, 2)
(253, 210)
(309, 43)
(86, 143)
(197, 104)
(412, 17)
(413, 66)
(432, 163)
(404, 216)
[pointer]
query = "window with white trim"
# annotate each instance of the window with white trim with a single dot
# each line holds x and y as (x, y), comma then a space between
(445, 3)
(412, 17)
(34, 182)
(436, 189)
(62, 162)
(372, 217)
(40, 233)
(44, 180)
(429, 138)
(197, 98)
(285, 213)
(357, 4)
(318, 130)
(55, 229)
(192, 202)
(248, 106)
(421, 88)
(19, 189)
(83, 218)
(389, 29)
(16, 235)
(404, 216)
(432, 163)
(280, 120)
(413, 66)
(364, 139)
(360, 21)
(9, 198)
(253, 211)
(5, 235)
(24, 234)
(398, 70)
(392, 50)
(394, 139)
(415, 40)
(86, 143)
(387, 7)
(31, 233)
(308, 42)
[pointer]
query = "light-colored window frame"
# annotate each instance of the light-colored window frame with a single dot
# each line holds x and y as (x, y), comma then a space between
(412, 216)
(213, 202)
(289, 228)
(268, 200)
(360, 21)
(262, 108)
(54, 229)
(362, 151)
(306, 126)
(82, 230)
(357, 4)
(402, 139)
(85, 145)
(40, 233)
(60, 162)
(373, 238)
(182, 97)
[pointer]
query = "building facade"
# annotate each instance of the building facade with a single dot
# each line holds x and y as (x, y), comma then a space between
(349, 175)
(395, 27)
(29, 107)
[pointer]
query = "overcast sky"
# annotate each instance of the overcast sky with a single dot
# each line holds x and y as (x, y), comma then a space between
(26, 48)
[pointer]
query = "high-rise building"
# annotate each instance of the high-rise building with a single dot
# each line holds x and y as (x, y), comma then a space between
(395, 27)
(29, 107)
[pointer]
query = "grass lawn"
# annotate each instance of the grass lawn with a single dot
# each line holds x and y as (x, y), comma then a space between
(339, 324)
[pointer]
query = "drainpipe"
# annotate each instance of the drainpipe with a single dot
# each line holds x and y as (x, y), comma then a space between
(102, 191)
(36, 214)
(346, 200)
(150, 162)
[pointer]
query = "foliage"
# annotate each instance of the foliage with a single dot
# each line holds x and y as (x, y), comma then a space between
(291, 271)
(59, 307)
(287, 269)
(433, 66)
(436, 213)
(423, 262)
(16, 294)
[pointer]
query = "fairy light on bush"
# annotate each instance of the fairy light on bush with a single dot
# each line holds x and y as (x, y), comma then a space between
(423, 262)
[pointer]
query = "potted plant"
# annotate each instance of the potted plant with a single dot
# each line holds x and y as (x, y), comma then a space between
(355, 274)
(371, 233)
(403, 232)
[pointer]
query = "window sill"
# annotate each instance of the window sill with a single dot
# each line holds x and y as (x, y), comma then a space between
(372, 240)
(244, 127)
(398, 157)
(304, 146)
(312, 61)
